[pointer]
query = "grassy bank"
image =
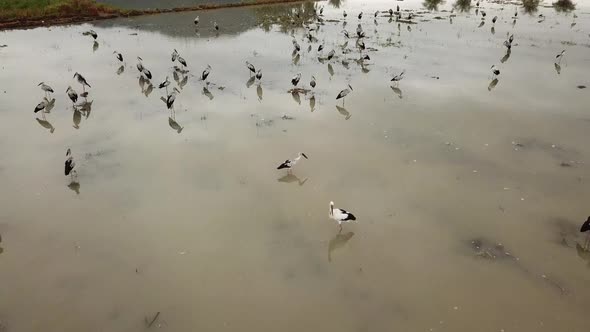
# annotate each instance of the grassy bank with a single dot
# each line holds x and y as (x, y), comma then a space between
(17, 14)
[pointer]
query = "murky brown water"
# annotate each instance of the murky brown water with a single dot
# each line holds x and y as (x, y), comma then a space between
(199, 226)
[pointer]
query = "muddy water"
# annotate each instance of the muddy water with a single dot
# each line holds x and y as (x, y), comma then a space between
(189, 217)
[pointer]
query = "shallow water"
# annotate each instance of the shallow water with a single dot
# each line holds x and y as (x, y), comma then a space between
(199, 226)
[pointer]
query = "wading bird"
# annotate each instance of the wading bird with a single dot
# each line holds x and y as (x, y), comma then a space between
(90, 33)
(205, 73)
(360, 15)
(295, 79)
(495, 71)
(164, 84)
(182, 61)
(376, 13)
(41, 106)
(494, 19)
(216, 26)
(259, 74)
(69, 164)
(331, 54)
(312, 83)
(344, 14)
(46, 88)
(321, 47)
(82, 81)
(118, 55)
(399, 76)
(72, 94)
(171, 98)
(340, 215)
(251, 68)
(174, 55)
(585, 226)
(196, 20)
(344, 93)
(345, 33)
(560, 55)
(290, 163)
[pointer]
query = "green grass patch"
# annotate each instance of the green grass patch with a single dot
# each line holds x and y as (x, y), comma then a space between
(34, 9)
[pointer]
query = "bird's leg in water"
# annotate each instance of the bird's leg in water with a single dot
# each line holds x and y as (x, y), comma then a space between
(340, 231)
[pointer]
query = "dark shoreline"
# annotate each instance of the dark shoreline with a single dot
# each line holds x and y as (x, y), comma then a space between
(63, 20)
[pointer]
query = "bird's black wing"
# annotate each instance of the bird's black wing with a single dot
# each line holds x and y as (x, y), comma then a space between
(585, 226)
(69, 166)
(286, 164)
(349, 216)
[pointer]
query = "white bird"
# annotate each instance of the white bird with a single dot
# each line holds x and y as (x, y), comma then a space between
(197, 20)
(290, 163)
(344, 93)
(174, 55)
(164, 84)
(312, 83)
(205, 73)
(340, 215)
(140, 64)
(216, 26)
(295, 79)
(119, 56)
(399, 76)
(69, 164)
(495, 71)
(376, 13)
(41, 105)
(259, 74)
(90, 33)
(171, 98)
(82, 81)
(494, 19)
(331, 54)
(251, 67)
(72, 94)
(345, 33)
(296, 45)
(360, 15)
(321, 47)
(344, 14)
(182, 61)
(359, 31)
(560, 55)
(45, 88)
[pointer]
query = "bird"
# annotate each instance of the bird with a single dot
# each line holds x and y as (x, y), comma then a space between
(259, 74)
(399, 76)
(340, 215)
(196, 20)
(82, 81)
(321, 47)
(397, 8)
(90, 33)
(251, 68)
(174, 55)
(376, 13)
(312, 83)
(296, 46)
(45, 88)
(182, 61)
(360, 15)
(477, 4)
(344, 14)
(331, 54)
(511, 38)
(41, 105)
(495, 71)
(205, 73)
(345, 33)
(344, 93)
(295, 79)
(508, 44)
(359, 31)
(69, 164)
(119, 56)
(72, 94)
(140, 64)
(164, 84)
(560, 55)
(171, 98)
(483, 14)
(361, 45)
(216, 26)
(494, 19)
(146, 73)
(290, 163)
(585, 226)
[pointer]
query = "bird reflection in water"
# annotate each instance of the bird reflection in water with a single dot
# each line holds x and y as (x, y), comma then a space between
(50, 106)
(493, 30)
(77, 118)
(207, 93)
(557, 68)
(493, 84)
(290, 178)
(259, 92)
(397, 91)
(296, 97)
(1, 249)
(95, 46)
(330, 70)
(148, 90)
(296, 59)
(344, 112)
(338, 242)
(46, 124)
(506, 56)
(75, 186)
(250, 81)
(174, 125)
(312, 103)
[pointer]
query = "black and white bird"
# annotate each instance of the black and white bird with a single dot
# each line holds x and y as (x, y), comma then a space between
(360, 15)
(312, 83)
(259, 74)
(585, 226)
(296, 46)
(495, 71)
(344, 93)
(69, 164)
(206, 73)
(290, 163)
(119, 56)
(508, 44)
(560, 55)
(173, 57)
(171, 98)
(295, 79)
(494, 19)
(72, 94)
(399, 76)
(251, 68)
(182, 61)
(359, 31)
(483, 14)
(216, 26)
(345, 33)
(511, 38)
(82, 81)
(361, 45)
(390, 12)
(140, 64)
(90, 33)
(41, 106)
(164, 84)
(340, 215)
(331, 54)
(196, 20)
(344, 14)
(321, 47)
(376, 13)
(46, 88)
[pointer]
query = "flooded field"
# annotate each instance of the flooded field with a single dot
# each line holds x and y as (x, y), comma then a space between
(469, 188)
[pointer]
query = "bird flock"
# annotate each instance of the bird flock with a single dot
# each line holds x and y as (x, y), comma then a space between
(180, 70)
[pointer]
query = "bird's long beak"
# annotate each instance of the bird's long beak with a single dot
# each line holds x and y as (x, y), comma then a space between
(39, 83)
(304, 156)
(350, 87)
